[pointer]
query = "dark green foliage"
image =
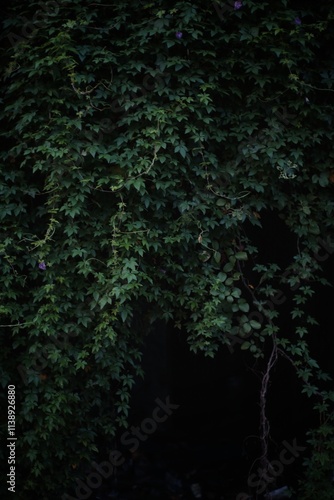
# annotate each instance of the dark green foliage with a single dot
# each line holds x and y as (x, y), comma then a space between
(320, 463)
(134, 166)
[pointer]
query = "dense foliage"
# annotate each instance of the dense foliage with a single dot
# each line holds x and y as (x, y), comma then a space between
(142, 142)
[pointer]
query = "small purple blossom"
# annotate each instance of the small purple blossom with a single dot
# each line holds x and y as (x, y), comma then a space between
(297, 21)
(179, 35)
(237, 5)
(42, 265)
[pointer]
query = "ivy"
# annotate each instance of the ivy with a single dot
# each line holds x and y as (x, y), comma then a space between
(144, 144)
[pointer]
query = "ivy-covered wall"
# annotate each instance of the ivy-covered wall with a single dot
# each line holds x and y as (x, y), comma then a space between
(141, 142)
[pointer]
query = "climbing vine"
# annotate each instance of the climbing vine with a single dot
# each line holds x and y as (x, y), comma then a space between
(142, 144)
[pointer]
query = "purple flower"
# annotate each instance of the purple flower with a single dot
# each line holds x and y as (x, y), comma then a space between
(298, 21)
(42, 265)
(179, 35)
(237, 5)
